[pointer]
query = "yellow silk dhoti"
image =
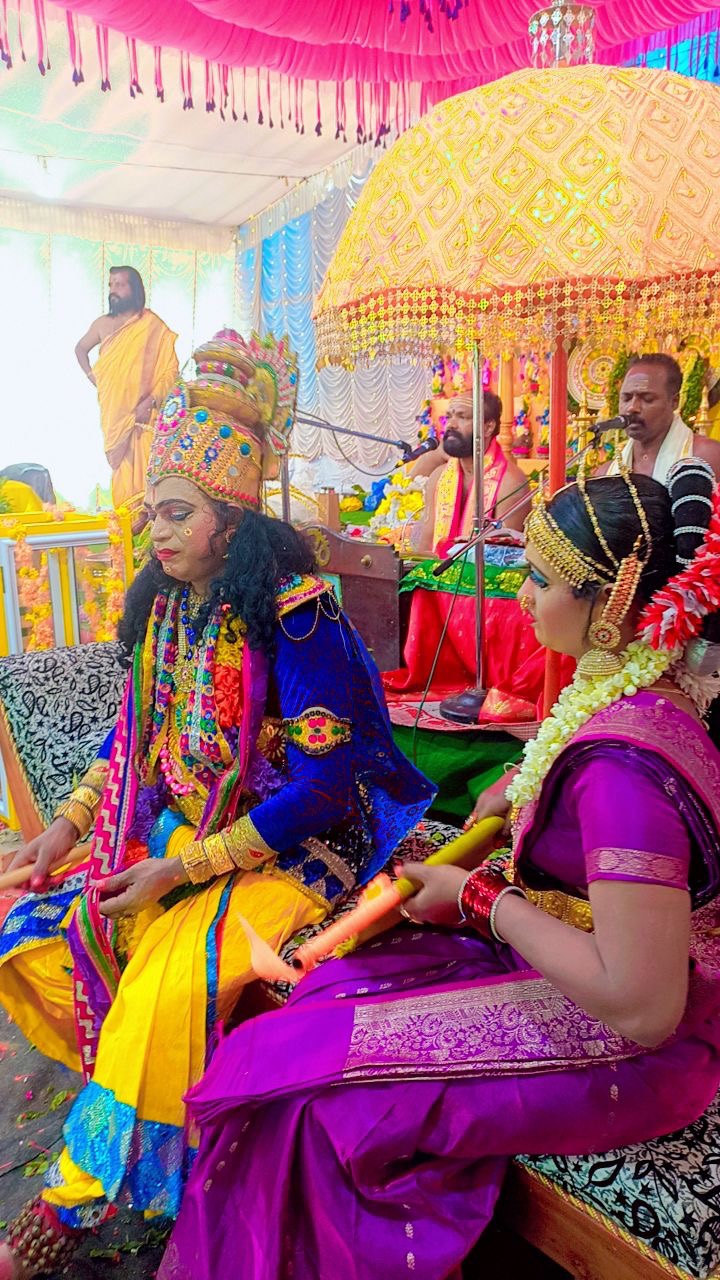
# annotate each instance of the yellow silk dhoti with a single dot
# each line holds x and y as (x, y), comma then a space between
(137, 361)
(153, 1042)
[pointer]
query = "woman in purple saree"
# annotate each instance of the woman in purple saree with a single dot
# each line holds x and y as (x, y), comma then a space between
(571, 1004)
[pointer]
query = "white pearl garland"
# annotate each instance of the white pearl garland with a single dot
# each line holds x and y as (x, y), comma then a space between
(642, 666)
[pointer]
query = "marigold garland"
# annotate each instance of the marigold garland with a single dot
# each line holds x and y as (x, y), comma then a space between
(33, 586)
(675, 614)
(642, 666)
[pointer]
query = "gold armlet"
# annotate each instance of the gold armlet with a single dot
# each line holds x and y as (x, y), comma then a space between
(240, 848)
(96, 776)
(317, 731)
(83, 803)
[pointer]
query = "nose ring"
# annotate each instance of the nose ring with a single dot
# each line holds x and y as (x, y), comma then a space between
(524, 603)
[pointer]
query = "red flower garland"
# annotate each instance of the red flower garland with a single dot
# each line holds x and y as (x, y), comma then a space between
(675, 614)
(228, 695)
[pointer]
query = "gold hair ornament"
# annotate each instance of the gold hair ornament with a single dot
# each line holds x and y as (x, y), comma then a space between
(571, 564)
(605, 635)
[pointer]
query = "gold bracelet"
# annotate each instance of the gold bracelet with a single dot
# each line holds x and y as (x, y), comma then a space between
(196, 863)
(218, 854)
(239, 848)
(79, 814)
(87, 796)
(246, 846)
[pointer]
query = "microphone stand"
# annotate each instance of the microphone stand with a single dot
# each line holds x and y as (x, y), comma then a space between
(464, 708)
(309, 420)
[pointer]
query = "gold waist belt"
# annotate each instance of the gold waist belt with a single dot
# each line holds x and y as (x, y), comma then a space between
(562, 906)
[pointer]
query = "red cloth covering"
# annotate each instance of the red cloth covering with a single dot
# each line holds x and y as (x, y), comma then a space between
(514, 661)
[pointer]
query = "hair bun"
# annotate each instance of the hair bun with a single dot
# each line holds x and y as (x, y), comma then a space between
(690, 482)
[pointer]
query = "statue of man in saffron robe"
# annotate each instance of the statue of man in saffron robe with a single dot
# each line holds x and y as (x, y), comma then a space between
(133, 373)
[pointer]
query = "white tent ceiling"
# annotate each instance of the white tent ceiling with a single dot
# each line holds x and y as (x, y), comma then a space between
(81, 147)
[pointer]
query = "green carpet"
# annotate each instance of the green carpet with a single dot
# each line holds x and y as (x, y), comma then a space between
(460, 764)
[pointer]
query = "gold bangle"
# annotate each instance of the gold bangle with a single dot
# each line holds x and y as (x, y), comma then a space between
(218, 854)
(239, 848)
(196, 863)
(79, 814)
(86, 796)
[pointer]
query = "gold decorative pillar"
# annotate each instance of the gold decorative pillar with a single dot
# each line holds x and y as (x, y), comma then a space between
(507, 395)
(583, 423)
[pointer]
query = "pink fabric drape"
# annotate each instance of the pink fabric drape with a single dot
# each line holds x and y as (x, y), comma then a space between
(347, 41)
(307, 40)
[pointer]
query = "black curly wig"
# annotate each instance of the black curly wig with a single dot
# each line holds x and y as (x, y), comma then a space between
(260, 553)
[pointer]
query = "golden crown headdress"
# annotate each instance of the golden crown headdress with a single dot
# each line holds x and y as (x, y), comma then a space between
(224, 429)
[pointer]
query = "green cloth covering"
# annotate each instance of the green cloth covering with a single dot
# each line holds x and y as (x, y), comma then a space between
(356, 517)
(460, 764)
(500, 583)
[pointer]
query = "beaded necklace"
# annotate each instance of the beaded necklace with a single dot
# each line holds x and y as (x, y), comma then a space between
(184, 667)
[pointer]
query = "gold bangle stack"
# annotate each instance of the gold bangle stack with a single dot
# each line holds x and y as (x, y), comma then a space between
(240, 848)
(196, 862)
(79, 814)
(83, 803)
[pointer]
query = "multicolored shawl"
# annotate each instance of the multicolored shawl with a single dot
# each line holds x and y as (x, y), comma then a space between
(96, 971)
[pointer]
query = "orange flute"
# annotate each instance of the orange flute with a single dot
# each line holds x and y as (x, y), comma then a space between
(21, 875)
(381, 897)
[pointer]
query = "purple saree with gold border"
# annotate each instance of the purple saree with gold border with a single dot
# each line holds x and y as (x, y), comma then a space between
(365, 1130)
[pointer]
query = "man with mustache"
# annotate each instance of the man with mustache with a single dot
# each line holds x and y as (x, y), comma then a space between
(657, 435)
(450, 492)
(133, 373)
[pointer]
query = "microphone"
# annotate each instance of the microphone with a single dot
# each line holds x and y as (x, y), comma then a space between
(426, 446)
(619, 423)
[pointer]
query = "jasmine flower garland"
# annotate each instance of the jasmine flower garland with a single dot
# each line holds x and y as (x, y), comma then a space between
(642, 667)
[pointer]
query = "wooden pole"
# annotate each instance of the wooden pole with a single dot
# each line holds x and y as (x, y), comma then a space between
(507, 395)
(556, 468)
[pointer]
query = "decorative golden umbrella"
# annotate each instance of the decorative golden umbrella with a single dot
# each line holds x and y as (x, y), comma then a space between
(534, 208)
(549, 206)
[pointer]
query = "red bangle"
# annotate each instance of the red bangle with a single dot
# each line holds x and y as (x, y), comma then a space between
(478, 897)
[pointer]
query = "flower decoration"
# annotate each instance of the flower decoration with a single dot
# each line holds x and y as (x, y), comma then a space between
(676, 613)
(33, 587)
(401, 507)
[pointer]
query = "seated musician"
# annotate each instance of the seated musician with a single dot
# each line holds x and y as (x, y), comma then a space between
(557, 1009)
(450, 492)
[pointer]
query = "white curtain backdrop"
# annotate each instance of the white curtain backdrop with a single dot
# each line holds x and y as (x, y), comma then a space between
(278, 277)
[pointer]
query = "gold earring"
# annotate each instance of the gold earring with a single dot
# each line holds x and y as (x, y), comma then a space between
(605, 636)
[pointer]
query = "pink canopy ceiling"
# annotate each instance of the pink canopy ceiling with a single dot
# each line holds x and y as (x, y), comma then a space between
(389, 58)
